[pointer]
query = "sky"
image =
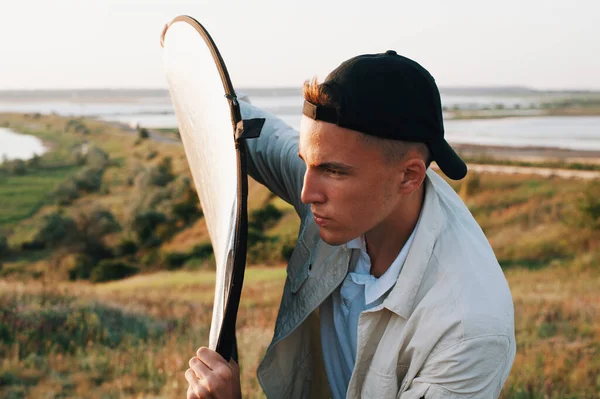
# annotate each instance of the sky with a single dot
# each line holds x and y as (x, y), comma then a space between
(542, 44)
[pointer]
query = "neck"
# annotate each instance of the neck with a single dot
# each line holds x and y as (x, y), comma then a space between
(385, 241)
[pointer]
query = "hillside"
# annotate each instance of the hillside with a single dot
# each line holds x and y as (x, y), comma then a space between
(107, 203)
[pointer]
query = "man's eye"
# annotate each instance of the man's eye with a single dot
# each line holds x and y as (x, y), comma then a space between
(335, 172)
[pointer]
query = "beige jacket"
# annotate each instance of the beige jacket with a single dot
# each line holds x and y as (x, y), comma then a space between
(446, 330)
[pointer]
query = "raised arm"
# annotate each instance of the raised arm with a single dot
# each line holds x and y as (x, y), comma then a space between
(273, 157)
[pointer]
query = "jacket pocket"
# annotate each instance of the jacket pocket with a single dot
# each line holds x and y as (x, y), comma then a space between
(378, 384)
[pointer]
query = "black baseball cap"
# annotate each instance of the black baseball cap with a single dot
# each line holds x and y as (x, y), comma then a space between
(393, 97)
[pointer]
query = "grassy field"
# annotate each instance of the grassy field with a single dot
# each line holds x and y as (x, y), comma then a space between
(23, 196)
(132, 337)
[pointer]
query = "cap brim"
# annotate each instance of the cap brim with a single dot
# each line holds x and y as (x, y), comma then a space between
(447, 159)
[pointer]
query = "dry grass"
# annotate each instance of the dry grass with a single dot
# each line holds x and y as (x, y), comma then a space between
(557, 325)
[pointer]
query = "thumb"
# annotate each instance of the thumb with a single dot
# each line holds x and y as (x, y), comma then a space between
(234, 366)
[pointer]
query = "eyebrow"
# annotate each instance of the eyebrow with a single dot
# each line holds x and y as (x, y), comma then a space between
(342, 167)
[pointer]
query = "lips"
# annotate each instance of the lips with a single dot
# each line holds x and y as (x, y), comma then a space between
(321, 220)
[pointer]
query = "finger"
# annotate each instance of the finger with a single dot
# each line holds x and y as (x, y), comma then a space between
(190, 393)
(211, 358)
(197, 387)
(199, 368)
(235, 367)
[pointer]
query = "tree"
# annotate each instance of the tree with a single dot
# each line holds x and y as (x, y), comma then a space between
(143, 133)
(145, 225)
(92, 227)
(55, 229)
(162, 174)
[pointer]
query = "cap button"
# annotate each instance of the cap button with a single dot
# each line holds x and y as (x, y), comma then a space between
(391, 52)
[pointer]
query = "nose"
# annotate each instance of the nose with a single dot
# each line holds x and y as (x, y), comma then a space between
(311, 190)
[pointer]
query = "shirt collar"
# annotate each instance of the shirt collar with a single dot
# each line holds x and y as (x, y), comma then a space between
(388, 279)
(357, 243)
(375, 288)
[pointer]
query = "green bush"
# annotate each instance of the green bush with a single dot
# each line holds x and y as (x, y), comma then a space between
(67, 325)
(176, 260)
(202, 251)
(108, 270)
(588, 206)
(287, 248)
(82, 269)
(143, 133)
(3, 245)
(34, 162)
(89, 179)
(145, 225)
(66, 193)
(127, 247)
(264, 218)
(188, 209)
(76, 126)
(162, 174)
(54, 229)
(17, 167)
(96, 158)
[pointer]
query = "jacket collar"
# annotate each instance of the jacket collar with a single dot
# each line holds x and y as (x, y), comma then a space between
(401, 299)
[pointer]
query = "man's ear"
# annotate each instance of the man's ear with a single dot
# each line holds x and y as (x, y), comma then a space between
(413, 176)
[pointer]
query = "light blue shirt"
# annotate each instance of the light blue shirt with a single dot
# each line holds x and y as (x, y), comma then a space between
(340, 312)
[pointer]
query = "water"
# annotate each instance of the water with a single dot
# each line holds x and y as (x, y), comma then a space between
(570, 132)
(19, 146)
(154, 110)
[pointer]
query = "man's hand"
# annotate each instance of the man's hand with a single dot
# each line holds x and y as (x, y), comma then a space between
(210, 376)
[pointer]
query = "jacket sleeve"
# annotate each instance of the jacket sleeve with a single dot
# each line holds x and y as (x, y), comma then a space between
(273, 157)
(472, 368)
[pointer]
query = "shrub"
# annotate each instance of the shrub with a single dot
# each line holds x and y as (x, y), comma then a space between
(89, 179)
(143, 133)
(54, 229)
(202, 250)
(265, 251)
(3, 246)
(82, 269)
(77, 126)
(96, 158)
(162, 174)
(92, 227)
(266, 217)
(17, 167)
(188, 209)
(35, 161)
(108, 270)
(66, 193)
(127, 247)
(588, 206)
(175, 260)
(66, 325)
(287, 248)
(145, 224)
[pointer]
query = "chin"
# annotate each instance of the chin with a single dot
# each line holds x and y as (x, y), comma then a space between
(332, 239)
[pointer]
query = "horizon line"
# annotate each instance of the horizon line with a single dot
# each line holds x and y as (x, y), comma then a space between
(299, 88)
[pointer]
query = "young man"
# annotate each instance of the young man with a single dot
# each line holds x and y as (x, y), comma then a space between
(393, 291)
